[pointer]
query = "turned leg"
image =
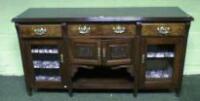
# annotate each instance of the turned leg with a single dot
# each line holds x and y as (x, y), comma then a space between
(29, 91)
(136, 83)
(70, 93)
(132, 72)
(70, 88)
(135, 93)
(135, 88)
(178, 91)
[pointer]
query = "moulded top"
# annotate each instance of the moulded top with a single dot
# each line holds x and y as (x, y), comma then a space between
(103, 14)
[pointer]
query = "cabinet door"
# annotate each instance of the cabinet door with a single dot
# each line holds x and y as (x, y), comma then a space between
(85, 51)
(117, 51)
(160, 61)
(46, 61)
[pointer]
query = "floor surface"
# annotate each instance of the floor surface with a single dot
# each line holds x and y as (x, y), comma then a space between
(13, 89)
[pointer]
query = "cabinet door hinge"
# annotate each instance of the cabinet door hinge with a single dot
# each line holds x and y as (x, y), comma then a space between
(143, 58)
(104, 52)
(61, 58)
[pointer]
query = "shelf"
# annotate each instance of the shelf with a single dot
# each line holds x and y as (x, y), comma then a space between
(47, 72)
(103, 83)
(99, 72)
(46, 68)
(46, 64)
(105, 78)
(44, 51)
(45, 56)
(160, 54)
(48, 78)
(155, 58)
(159, 74)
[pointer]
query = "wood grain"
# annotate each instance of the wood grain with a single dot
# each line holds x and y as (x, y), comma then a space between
(53, 30)
(176, 29)
(99, 29)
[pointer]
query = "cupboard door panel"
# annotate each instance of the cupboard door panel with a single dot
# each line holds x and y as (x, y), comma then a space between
(160, 60)
(117, 51)
(85, 51)
(46, 62)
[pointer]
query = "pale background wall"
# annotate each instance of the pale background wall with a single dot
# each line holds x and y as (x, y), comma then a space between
(10, 60)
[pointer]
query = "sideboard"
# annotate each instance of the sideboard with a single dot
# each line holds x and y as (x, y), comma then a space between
(138, 48)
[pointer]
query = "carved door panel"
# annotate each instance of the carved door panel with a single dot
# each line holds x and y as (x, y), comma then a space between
(85, 51)
(117, 51)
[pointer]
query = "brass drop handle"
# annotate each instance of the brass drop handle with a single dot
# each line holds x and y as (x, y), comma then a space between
(163, 30)
(118, 29)
(143, 58)
(61, 58)
(84, 29)
(40, 31)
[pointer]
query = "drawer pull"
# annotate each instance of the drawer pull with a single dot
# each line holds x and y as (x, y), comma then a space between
(40, 31)
(119, 29)
(163, 30)
(84, 29)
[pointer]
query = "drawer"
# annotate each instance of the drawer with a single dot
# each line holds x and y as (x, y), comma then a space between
(83, 29)
(101, 29)
(163, 29)
(119, 29)
(46, 30)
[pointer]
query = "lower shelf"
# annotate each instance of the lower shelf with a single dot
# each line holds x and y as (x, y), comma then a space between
(48, 78)
(103, 78)
(101, 83)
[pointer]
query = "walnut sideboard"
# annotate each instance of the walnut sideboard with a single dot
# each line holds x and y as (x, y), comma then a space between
(103, 48)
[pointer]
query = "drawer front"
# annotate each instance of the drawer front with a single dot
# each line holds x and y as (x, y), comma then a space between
(163, 29)
(83, 29)
(101, 29)
(50, 30)
(119, 29)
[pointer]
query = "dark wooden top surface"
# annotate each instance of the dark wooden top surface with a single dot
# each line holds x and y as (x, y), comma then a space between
(103, 14)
